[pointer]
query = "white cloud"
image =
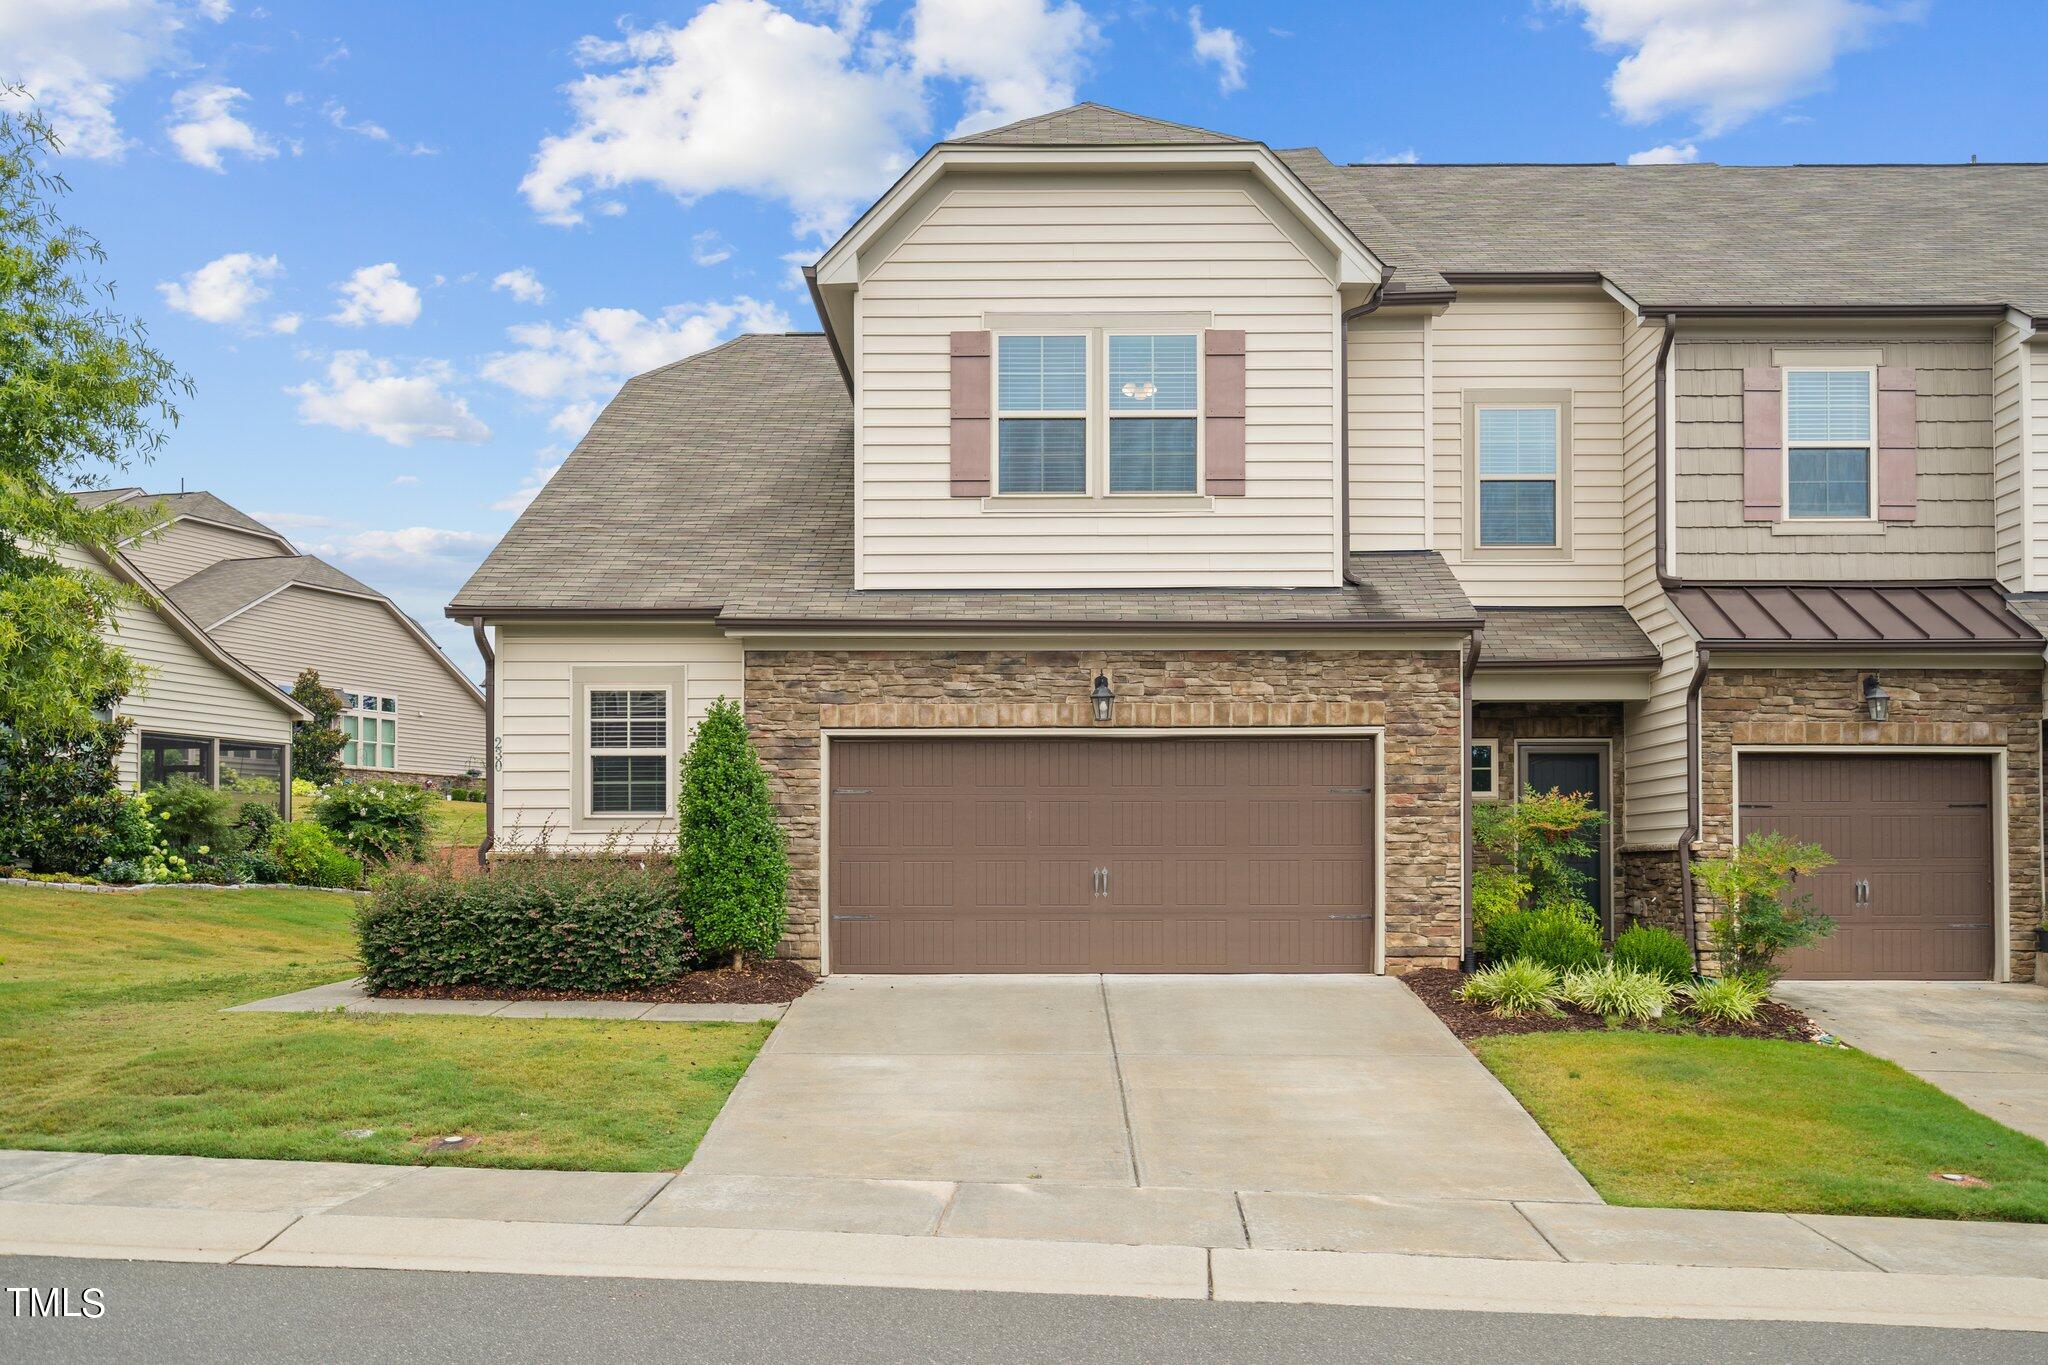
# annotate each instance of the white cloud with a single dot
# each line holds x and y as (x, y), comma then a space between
(708, 248)
(204, 124)
(225, 289)
(373, 396)
(1405, 157)
(1724, 61)
(376, 293)
(337, 114)
(76, 57)
(286, 324)
(522, 284)
(579, 363)
(1221, 46)
(1665, 154)
(404, 480)
(1018, 57)
(743, 97)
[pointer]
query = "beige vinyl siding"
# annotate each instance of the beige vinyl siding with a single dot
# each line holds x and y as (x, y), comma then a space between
(1534, 340)
(185, 547)
(537, 727)
(1654, 760)
(2037, 451)
(359, 646)
(2012, 480)
(1389, 430)
(1100, 245)
(185, 692)
(1952, 537)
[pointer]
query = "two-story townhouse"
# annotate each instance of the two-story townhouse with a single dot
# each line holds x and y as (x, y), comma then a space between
(410, 711)
(1168, 540)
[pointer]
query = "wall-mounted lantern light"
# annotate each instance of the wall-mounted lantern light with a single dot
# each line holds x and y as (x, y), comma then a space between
(1102, 699)
(1877, 703)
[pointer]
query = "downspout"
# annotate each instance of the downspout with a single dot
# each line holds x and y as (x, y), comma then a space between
(483, 647)
(1379, 294)
(1692, 799)
(1470, 957)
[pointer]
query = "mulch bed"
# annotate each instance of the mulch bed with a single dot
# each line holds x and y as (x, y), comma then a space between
(1437, 987)
(769, 981)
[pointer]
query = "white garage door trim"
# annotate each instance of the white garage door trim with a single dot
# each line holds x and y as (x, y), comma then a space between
(2001, 858)
(1376, 733)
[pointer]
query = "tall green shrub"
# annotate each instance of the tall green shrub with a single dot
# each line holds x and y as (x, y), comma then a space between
(60, 804)
(316, 744)
(732, 861)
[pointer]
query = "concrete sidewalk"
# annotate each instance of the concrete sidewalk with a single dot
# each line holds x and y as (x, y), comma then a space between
(350, 997)
(1507, 1255)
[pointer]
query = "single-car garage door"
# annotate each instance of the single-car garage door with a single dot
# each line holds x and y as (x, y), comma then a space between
(1911, 889)
(1055, 854)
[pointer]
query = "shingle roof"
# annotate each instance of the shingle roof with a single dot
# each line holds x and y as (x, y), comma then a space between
(1821, 615)
(1723, 236)
(1095, 125)
(225, 588)
(723, 484)
(1592, 636)
(207, 507)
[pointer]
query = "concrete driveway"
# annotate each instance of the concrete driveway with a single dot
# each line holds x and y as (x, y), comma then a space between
(1984, 1043)
(1329, 1085)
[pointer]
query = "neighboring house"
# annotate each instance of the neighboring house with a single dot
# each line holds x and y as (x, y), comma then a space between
(1169, 539)
(410, 713)
(202, 713)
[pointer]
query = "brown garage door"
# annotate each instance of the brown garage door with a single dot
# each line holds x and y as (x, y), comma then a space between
(1911, 889)
(1131, 855)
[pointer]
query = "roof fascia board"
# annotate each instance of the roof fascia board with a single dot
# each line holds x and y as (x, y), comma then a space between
(840, 266)
(1935, 654)
(457, 611)
(1495, 682)
(193, 635)
(1875, 311)
(737, 625)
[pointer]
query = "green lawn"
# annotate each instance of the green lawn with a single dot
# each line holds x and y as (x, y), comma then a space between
(112, 1040)
(455, 824)
(1727, 1123)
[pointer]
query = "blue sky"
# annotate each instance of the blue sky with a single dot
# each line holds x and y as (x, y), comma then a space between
(404, 250)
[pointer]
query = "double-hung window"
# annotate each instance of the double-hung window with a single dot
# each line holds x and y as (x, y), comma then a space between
(1152, 413)
(628, 733)
(1829, 428)
(1518, 476)
(369, 730)
(1042, 414)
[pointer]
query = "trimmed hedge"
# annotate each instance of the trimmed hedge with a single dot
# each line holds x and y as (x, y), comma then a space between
(538, 923)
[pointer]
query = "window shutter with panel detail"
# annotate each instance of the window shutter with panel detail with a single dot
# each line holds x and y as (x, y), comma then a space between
(971, 410)
(1763, 443)
(1898, 442)
(1223, 413)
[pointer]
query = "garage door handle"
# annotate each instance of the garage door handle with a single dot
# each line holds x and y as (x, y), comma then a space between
(1350, 916)
(840, 917)
(853, 791)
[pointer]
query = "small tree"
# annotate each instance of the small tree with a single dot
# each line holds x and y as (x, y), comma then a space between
(1756, 918)
(61, 808)
(732, 861)
(1537, 837)
(316, 744)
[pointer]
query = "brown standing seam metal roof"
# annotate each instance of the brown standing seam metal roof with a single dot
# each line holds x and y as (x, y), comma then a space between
(1885, 615)
(1560, 637)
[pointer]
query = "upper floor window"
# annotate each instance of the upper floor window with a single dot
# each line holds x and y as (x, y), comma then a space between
(1042, 414)
(1152, 413)
(1518, 476)
(1828, 442)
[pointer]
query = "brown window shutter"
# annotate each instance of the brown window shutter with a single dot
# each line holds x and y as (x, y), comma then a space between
(1223, 413)
(972, 408)
(1898, 444)
(1763, 443)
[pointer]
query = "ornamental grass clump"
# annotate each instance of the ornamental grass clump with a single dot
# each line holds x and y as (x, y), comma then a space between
(1617, 993)
(1510, 989)
(1729, 1000)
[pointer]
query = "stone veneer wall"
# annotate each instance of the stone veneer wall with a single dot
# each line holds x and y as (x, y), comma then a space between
(1981, 707)
(792, 695)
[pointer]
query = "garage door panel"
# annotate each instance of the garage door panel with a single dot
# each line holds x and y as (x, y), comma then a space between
(1223, 854)
(1915, 830)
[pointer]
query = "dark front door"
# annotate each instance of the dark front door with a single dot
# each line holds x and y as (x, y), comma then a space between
(1576, 772)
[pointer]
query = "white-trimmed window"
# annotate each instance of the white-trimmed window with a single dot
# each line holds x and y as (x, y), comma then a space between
(1153, 392)
(1484, 759)
(1042, 413)
(1518, 476)
(369, 729)
(627, 732)
(1830, 442)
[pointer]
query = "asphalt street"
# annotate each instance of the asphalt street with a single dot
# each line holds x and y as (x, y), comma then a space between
(164, 1312)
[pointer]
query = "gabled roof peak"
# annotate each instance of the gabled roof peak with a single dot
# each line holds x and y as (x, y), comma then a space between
(1098, 125)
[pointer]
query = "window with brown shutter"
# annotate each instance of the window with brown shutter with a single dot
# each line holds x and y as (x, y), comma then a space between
(1223, 412)
(970, 414)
